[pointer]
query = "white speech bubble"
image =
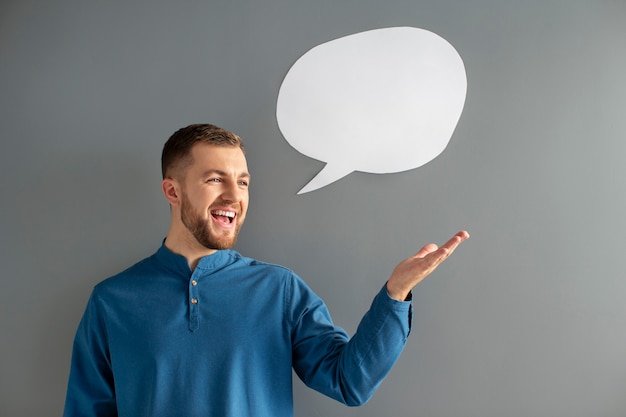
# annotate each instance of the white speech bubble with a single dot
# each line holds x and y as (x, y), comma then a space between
(382, 101)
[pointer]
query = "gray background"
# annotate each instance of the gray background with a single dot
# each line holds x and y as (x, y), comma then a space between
(527, 319)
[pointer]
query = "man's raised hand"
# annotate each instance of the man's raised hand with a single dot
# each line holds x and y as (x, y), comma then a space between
(410, 272)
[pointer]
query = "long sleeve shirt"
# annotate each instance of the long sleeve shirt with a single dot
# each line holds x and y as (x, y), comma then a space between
(162, 340)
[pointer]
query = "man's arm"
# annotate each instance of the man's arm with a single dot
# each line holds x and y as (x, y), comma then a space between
(413, 270)
(350, 371)
(90, 389)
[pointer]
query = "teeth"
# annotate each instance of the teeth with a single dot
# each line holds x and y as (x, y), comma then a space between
(224, 213)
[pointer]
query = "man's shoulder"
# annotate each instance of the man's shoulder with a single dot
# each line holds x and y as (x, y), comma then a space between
(258, 265)
(138, 271)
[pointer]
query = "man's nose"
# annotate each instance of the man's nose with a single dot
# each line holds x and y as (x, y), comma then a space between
(232, 192)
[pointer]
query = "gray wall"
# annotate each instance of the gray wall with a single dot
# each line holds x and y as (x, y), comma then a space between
(527, 319)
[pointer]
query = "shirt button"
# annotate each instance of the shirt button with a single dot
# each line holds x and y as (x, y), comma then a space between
(194, 282)
(194, 301)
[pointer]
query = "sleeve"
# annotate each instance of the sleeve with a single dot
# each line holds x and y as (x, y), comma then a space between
(346, 369)
(90, 389)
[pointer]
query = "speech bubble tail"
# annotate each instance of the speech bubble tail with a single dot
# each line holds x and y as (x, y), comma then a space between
(328, 174)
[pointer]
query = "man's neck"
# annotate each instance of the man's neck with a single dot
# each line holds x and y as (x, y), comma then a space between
(187, 247)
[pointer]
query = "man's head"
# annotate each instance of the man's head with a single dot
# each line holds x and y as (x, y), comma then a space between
(205, 180)
(176, 155)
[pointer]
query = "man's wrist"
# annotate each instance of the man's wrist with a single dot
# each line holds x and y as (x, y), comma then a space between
(398, 294)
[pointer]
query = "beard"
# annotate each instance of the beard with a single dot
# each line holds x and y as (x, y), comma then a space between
(199, 228)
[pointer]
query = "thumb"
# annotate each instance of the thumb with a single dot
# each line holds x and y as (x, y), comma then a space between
(430, 248)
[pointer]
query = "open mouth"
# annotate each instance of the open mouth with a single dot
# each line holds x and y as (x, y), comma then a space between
(223, 216)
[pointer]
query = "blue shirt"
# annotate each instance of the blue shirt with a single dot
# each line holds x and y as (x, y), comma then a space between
(160, 340)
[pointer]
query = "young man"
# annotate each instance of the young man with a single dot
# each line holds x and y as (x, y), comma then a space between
(199, 330)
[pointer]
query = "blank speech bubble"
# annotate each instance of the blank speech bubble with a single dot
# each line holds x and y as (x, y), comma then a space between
(382, 101)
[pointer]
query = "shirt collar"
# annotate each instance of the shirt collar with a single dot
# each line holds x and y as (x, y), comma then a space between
(178, 263)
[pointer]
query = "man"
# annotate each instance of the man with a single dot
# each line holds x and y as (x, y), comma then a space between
(199, 330)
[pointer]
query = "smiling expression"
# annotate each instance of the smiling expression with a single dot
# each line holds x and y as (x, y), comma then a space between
(214, 195)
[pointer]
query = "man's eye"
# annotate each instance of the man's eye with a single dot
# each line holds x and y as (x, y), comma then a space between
(244, 183)
(214, 180)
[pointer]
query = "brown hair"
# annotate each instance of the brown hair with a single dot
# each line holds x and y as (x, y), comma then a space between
(177, 150)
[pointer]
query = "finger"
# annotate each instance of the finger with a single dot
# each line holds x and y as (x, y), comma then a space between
(463, 234)
(455, 241)
(442, 253)
(431, 247)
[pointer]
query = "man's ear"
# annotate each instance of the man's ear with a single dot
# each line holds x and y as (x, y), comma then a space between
(171, 191)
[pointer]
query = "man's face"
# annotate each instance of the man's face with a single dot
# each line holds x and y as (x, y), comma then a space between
(214, 195)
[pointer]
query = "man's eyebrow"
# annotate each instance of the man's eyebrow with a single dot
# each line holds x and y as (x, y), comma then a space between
(223, 173)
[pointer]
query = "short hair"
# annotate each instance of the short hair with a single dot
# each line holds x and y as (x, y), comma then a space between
(177, 150)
